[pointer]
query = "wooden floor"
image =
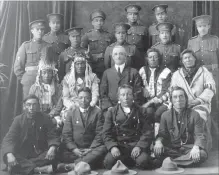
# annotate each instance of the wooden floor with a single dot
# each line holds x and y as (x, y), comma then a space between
(210, 167)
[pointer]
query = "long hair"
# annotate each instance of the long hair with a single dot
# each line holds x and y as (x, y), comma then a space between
(177, 88)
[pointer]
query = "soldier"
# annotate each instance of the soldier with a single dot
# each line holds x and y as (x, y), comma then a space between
(28, 56)
(133, 55)
(56, 37)
(97, 40)
(126, 132)
(206, 48)
(66, 57)
(170, 51)
(137, 34)
(160, 12)
(116, 76)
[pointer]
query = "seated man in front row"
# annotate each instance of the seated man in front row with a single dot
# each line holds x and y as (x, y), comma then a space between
(82, 132)
(30, 145)
(181, 133)
(126, 132)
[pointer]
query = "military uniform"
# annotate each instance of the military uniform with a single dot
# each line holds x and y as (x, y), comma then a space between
(111, 81)
(126, 131)
(27, 59)
(58, 40)
(206, 49)
(97, 41)
(170, 51)
(154, 34)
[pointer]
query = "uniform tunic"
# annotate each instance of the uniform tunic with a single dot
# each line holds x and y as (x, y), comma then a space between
(138, 35)
(133, 56)
(170, 54)
(30, 149)
(59, 42)
(126, 132)
(98, 42)
(154, 34)
(111, 81)
(27, 60)
(65, 60)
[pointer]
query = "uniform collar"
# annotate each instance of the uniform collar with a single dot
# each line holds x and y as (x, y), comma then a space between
(204, 37)
(55, 33)
(135, 24)
(37, 41)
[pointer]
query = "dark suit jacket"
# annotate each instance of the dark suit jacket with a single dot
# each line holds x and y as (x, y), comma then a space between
(14, 140)
(191, 124)
(111, 81)
(79, 135)
(118, 129)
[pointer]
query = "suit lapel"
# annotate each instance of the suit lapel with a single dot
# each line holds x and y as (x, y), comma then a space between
(77, 118)
(89, 118)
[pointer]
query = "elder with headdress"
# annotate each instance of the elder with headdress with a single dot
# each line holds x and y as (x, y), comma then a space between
(80, 76)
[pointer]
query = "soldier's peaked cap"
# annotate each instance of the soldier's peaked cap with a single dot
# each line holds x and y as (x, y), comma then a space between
(164, 26)
(40, 23)
(74, 31)
(121, 26)
(203, 19)
(160, 8)
(132, 8)
(55, 16)
(97, 13)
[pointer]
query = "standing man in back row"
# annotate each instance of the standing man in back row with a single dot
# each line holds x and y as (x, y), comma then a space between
(28, 56)
(137, 34)
(97, 40)
(56, 37)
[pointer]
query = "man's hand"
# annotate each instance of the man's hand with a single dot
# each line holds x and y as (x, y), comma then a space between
(158, 148)
(11, 161)
(85, 151)
(195, 154)
(59, 121)
(156, 100)
(78, 152)
(193, 103)
(135, 152)
(51, 153)
(115, 152)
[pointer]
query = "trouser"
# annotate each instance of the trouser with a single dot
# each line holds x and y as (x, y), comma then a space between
(142, 161)
(26, 166)
(94, 158)
(181, 156)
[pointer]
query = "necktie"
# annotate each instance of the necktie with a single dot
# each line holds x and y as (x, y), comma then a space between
(151, 84)
(119, 72)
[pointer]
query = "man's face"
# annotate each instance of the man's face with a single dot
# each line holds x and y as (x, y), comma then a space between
(132, 17)
(165, 36)
(161, 16)
(55, 25)
(84, 99)
(31, 106)
(153, 59)
(188, 60)
(37, 32)
(203, 29)
(75, 40)
(178, 99)
(126, 97)
(98, 23)
(80, 67)
(119, 56)
(47, 75)
(120, 36)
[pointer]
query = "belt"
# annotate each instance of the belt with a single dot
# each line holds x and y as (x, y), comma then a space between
(212, 67)
(31, 68)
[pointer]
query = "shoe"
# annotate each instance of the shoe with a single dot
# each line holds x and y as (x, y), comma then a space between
(62, 167)
(45, 169)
